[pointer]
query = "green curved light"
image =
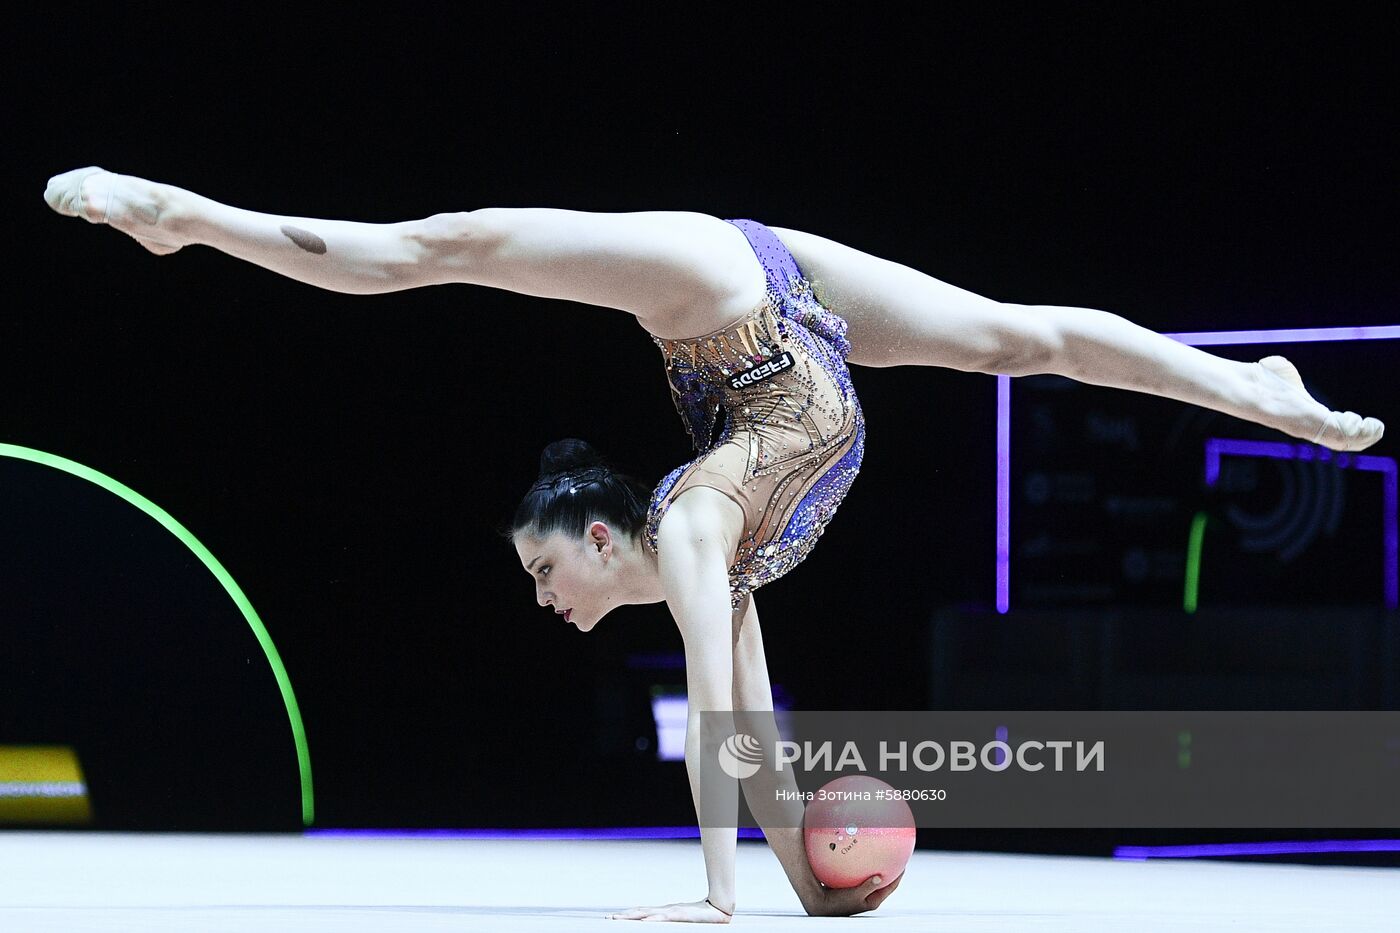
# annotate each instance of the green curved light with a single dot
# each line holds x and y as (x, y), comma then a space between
(1193, 561)
(222, 575)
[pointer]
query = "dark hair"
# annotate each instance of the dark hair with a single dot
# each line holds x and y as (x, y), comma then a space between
(575, 488)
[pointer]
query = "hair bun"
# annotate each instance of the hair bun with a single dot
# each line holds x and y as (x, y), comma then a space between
(567, 456)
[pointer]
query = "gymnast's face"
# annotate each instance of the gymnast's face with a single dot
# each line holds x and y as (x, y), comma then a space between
(573, 575)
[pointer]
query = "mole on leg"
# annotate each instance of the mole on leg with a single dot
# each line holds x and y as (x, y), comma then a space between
(305, 239)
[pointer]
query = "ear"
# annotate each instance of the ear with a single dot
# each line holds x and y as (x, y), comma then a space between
(600, 537)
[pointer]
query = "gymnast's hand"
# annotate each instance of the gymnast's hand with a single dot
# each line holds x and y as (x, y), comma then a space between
(843, 902)
(693, 912)
(135, 206)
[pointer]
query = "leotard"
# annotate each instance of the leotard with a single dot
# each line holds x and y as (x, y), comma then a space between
(790, 429)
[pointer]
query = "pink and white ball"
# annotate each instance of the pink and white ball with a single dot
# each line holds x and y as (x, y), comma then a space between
(849, 838)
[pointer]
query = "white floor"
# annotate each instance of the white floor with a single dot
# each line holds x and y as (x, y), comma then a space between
(158, 882)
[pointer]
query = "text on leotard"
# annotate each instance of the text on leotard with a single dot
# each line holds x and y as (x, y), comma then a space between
(762, 371)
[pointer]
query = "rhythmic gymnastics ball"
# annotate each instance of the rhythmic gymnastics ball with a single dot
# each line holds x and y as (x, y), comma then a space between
(853, 831)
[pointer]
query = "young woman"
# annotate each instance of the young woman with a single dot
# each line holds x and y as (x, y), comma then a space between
(764, 391)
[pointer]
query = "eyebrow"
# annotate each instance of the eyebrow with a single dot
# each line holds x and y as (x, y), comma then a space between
(531, 564)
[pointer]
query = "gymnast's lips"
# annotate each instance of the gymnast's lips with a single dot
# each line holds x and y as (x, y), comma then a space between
(564, 612)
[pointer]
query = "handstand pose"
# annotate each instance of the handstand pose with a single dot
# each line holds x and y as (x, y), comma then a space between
(764, 392)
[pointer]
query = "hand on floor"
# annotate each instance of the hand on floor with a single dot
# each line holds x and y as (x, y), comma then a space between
(701, 911)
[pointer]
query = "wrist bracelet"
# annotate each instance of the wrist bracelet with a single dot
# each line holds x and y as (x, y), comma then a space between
(718, 908)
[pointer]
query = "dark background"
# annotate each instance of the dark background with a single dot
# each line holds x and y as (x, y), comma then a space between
(350, 458)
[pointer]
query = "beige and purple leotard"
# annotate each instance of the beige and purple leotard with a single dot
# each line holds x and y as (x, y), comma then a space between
(774, 419)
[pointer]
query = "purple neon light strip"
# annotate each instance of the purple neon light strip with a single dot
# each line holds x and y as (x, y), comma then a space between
(1195, 339)
(1142, 853)
(1216, 446)
(1392, 535)
(1204, 338)
(1003, 493)
(1282, 450)
(608, 832)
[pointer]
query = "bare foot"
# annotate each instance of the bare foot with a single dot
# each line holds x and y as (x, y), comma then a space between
(1309, 419)
(132, 205)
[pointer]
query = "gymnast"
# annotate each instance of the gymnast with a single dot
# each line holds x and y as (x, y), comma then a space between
(755, 326)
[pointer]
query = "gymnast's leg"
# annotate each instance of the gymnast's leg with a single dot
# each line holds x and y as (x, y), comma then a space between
(669, 268)
(899, 316)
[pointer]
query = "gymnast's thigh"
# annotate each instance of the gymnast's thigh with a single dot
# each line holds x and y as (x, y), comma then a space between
(672, 269)
(898, 316)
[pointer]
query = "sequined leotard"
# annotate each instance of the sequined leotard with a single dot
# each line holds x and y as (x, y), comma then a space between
(791, 433)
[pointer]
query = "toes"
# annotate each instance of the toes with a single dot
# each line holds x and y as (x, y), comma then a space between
(1353, 431)
(1368, 431)
(65, 192)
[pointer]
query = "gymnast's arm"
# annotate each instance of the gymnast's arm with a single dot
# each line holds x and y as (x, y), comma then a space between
(693, 551)
(773, 794)
(644, 262)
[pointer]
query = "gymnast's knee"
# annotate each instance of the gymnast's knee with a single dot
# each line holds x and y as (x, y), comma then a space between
(1029, 345)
